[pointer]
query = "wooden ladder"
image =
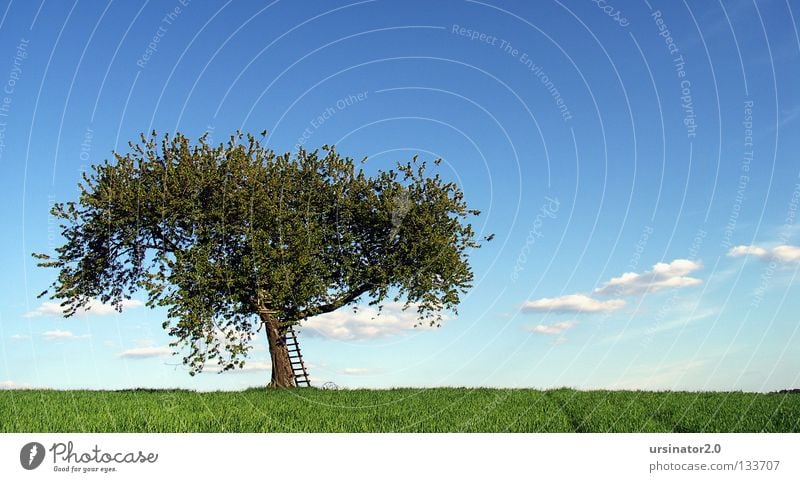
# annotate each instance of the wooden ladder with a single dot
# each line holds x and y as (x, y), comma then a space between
(296, 358)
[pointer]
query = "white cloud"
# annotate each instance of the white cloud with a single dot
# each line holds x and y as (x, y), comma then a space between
(366, 323)
(95, 307)
(255, 366)
(20, 337)
(573, 303)
(146, 352)
(783, 253)
(11, 385)
(54, 335)
(48, 308)
(745, 250)
(355, 371)
(786, 253)
(553, 329)
(662, 276)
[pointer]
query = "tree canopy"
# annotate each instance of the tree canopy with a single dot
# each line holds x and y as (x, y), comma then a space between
(218, 234)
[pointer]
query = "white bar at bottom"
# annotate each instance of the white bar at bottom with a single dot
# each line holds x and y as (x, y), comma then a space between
(405, 457)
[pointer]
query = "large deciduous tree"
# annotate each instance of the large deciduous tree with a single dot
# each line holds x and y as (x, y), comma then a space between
(232, 237)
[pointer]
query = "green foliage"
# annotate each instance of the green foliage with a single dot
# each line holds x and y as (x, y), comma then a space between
(398, 410)
(219, 233)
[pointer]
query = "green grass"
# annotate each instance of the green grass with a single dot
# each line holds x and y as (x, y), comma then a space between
(397, 410)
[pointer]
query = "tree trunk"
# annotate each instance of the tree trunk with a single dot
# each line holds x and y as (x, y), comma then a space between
(282, 374)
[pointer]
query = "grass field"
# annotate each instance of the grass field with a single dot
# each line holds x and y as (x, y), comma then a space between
(397, 410)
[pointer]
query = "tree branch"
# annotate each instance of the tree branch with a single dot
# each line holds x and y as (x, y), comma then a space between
(336, 304)
(158, 232)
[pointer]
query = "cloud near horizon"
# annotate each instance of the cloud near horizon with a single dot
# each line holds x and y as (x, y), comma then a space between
(576, 303)
(784, 253)
(146, 352)
(661, 276)
(364, 324)
(54, 335)
(95, 307)
(553, 329)
(12, 385)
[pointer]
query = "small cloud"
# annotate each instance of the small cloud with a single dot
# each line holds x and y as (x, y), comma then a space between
(553, 329)
(366, 323)
(20, 337)
(95, 307)
(48, 308)
(572, 304)
(256, 366)
(782, 254)
(54, 335)
(355, 371)
(146, 352)
(12, 385)
(743, 250)
(662, 276)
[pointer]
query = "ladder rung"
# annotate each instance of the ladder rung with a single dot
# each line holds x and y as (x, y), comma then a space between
(299, 369)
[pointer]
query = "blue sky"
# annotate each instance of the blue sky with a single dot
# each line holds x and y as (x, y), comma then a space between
(637, 162)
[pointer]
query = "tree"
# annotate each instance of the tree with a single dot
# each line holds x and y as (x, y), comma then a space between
(233, 237)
